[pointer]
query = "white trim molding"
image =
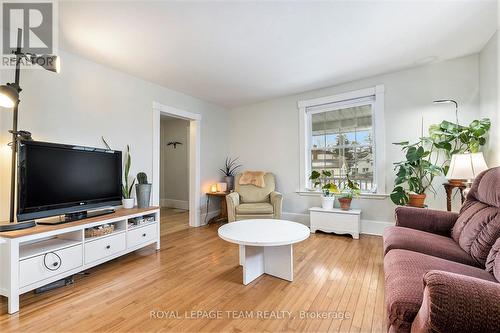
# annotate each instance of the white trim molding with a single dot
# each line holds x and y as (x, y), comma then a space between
(377, 95)
(194, 157)
(173, 203)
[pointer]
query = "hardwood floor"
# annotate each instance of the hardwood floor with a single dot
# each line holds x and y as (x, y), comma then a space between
(196, 276)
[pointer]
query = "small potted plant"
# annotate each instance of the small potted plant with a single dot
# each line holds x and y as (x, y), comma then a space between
(328, 189)
(143, 190)
(229, 169)
(350, 190)
(127, 201)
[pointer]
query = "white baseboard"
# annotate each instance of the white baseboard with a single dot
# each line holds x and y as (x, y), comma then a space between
(204, 217)
(172, 203)
(368, 227)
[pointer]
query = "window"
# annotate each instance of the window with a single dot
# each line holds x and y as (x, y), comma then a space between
(341, 134)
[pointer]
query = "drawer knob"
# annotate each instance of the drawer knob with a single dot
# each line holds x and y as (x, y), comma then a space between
(143, 235)
(108, 247)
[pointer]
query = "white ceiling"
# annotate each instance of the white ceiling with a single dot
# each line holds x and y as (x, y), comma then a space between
(235, 53)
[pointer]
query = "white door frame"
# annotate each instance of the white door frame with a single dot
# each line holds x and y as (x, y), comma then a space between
(194, 157)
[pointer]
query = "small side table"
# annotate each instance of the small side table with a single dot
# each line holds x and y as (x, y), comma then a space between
(222, 217)
(336, 220)
(449, 189)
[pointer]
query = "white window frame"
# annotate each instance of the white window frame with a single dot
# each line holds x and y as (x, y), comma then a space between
(378, 133)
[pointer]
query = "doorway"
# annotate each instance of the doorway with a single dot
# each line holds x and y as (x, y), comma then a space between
(174, 172)
(190, 143)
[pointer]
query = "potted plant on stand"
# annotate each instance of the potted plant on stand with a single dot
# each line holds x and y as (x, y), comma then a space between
(350, 190)
(328, 189)
(127, 201)
(143, 190)
(414, 175)
(229, 169)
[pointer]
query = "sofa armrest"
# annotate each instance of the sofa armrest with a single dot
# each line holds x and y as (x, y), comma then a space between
(232, 200)
(429, 220)
(458, 303)
(277, 202)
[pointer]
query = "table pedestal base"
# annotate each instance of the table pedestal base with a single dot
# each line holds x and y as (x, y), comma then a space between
(272, 260)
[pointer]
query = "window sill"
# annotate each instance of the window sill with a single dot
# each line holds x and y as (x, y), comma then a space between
(376, 196)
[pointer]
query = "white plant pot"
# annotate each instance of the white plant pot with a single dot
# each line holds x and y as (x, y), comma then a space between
(327, 202)
(128, 203)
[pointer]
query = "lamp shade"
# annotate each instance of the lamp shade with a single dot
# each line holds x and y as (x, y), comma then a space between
(8, 96)
(466, 166)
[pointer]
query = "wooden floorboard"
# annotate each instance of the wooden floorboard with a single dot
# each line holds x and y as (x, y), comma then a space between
(338, 287)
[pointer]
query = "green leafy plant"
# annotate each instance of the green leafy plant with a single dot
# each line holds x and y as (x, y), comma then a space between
(456, 139)
(351, 188)
(323, 179)
(142, 178)
(416, 173)
(126, 188)
(230, 167)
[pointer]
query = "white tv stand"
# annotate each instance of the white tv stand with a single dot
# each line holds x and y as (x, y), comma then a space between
(34, 257)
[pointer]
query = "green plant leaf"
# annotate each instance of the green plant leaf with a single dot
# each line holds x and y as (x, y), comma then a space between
(399, 196)
(314, 175)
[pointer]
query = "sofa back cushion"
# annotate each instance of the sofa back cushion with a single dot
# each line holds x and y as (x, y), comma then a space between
(252, 193)
(493, 260)
(478, 224)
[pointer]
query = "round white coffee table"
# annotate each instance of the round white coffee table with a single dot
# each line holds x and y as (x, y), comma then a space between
(265, 246)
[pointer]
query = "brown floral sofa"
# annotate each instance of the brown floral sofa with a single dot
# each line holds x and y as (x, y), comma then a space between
(442, 269)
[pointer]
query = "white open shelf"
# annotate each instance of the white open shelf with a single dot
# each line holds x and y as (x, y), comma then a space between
(49, 245)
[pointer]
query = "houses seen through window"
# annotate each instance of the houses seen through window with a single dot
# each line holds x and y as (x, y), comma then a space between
(342, 141)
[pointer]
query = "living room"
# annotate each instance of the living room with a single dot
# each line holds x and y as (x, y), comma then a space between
(311, 129)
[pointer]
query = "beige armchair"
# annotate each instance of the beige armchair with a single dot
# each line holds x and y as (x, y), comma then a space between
(252, 202)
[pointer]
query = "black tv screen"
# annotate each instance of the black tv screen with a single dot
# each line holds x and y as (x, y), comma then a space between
(55, 179)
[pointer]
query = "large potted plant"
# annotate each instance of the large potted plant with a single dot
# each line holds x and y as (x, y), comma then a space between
(127, 201)
(414, 175)
(350, 190)
(229, 170)
(457, 139)
(328, 189)
(143, 190)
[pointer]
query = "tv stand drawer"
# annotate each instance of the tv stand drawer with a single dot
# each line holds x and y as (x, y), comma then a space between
(141, 235)
(104, 247)
(49, 264)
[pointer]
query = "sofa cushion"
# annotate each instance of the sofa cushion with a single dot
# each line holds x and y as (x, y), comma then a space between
(404, 271)
(425, 242)
(254, 208)
(493, 260)
(252, 193)
(478, 225)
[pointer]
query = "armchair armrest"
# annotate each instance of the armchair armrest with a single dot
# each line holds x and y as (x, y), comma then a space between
(232, 200)
(277, 202)
(429, 220)
(458, 303)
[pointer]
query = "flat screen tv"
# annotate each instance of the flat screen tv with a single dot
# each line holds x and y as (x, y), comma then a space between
(56, 179)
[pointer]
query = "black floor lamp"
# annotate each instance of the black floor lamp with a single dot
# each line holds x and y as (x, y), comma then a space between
(9, 98)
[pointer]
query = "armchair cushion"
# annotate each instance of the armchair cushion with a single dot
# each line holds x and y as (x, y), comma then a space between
(458, 303)
(478, 226)
(429, 220)
(427, 243)
(403, 283)
(254, 208)
(252, 193)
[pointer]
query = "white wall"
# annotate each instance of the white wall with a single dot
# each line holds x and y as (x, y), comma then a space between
(266, 137)
(174, 166)
(488, 84)
(86, 101)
